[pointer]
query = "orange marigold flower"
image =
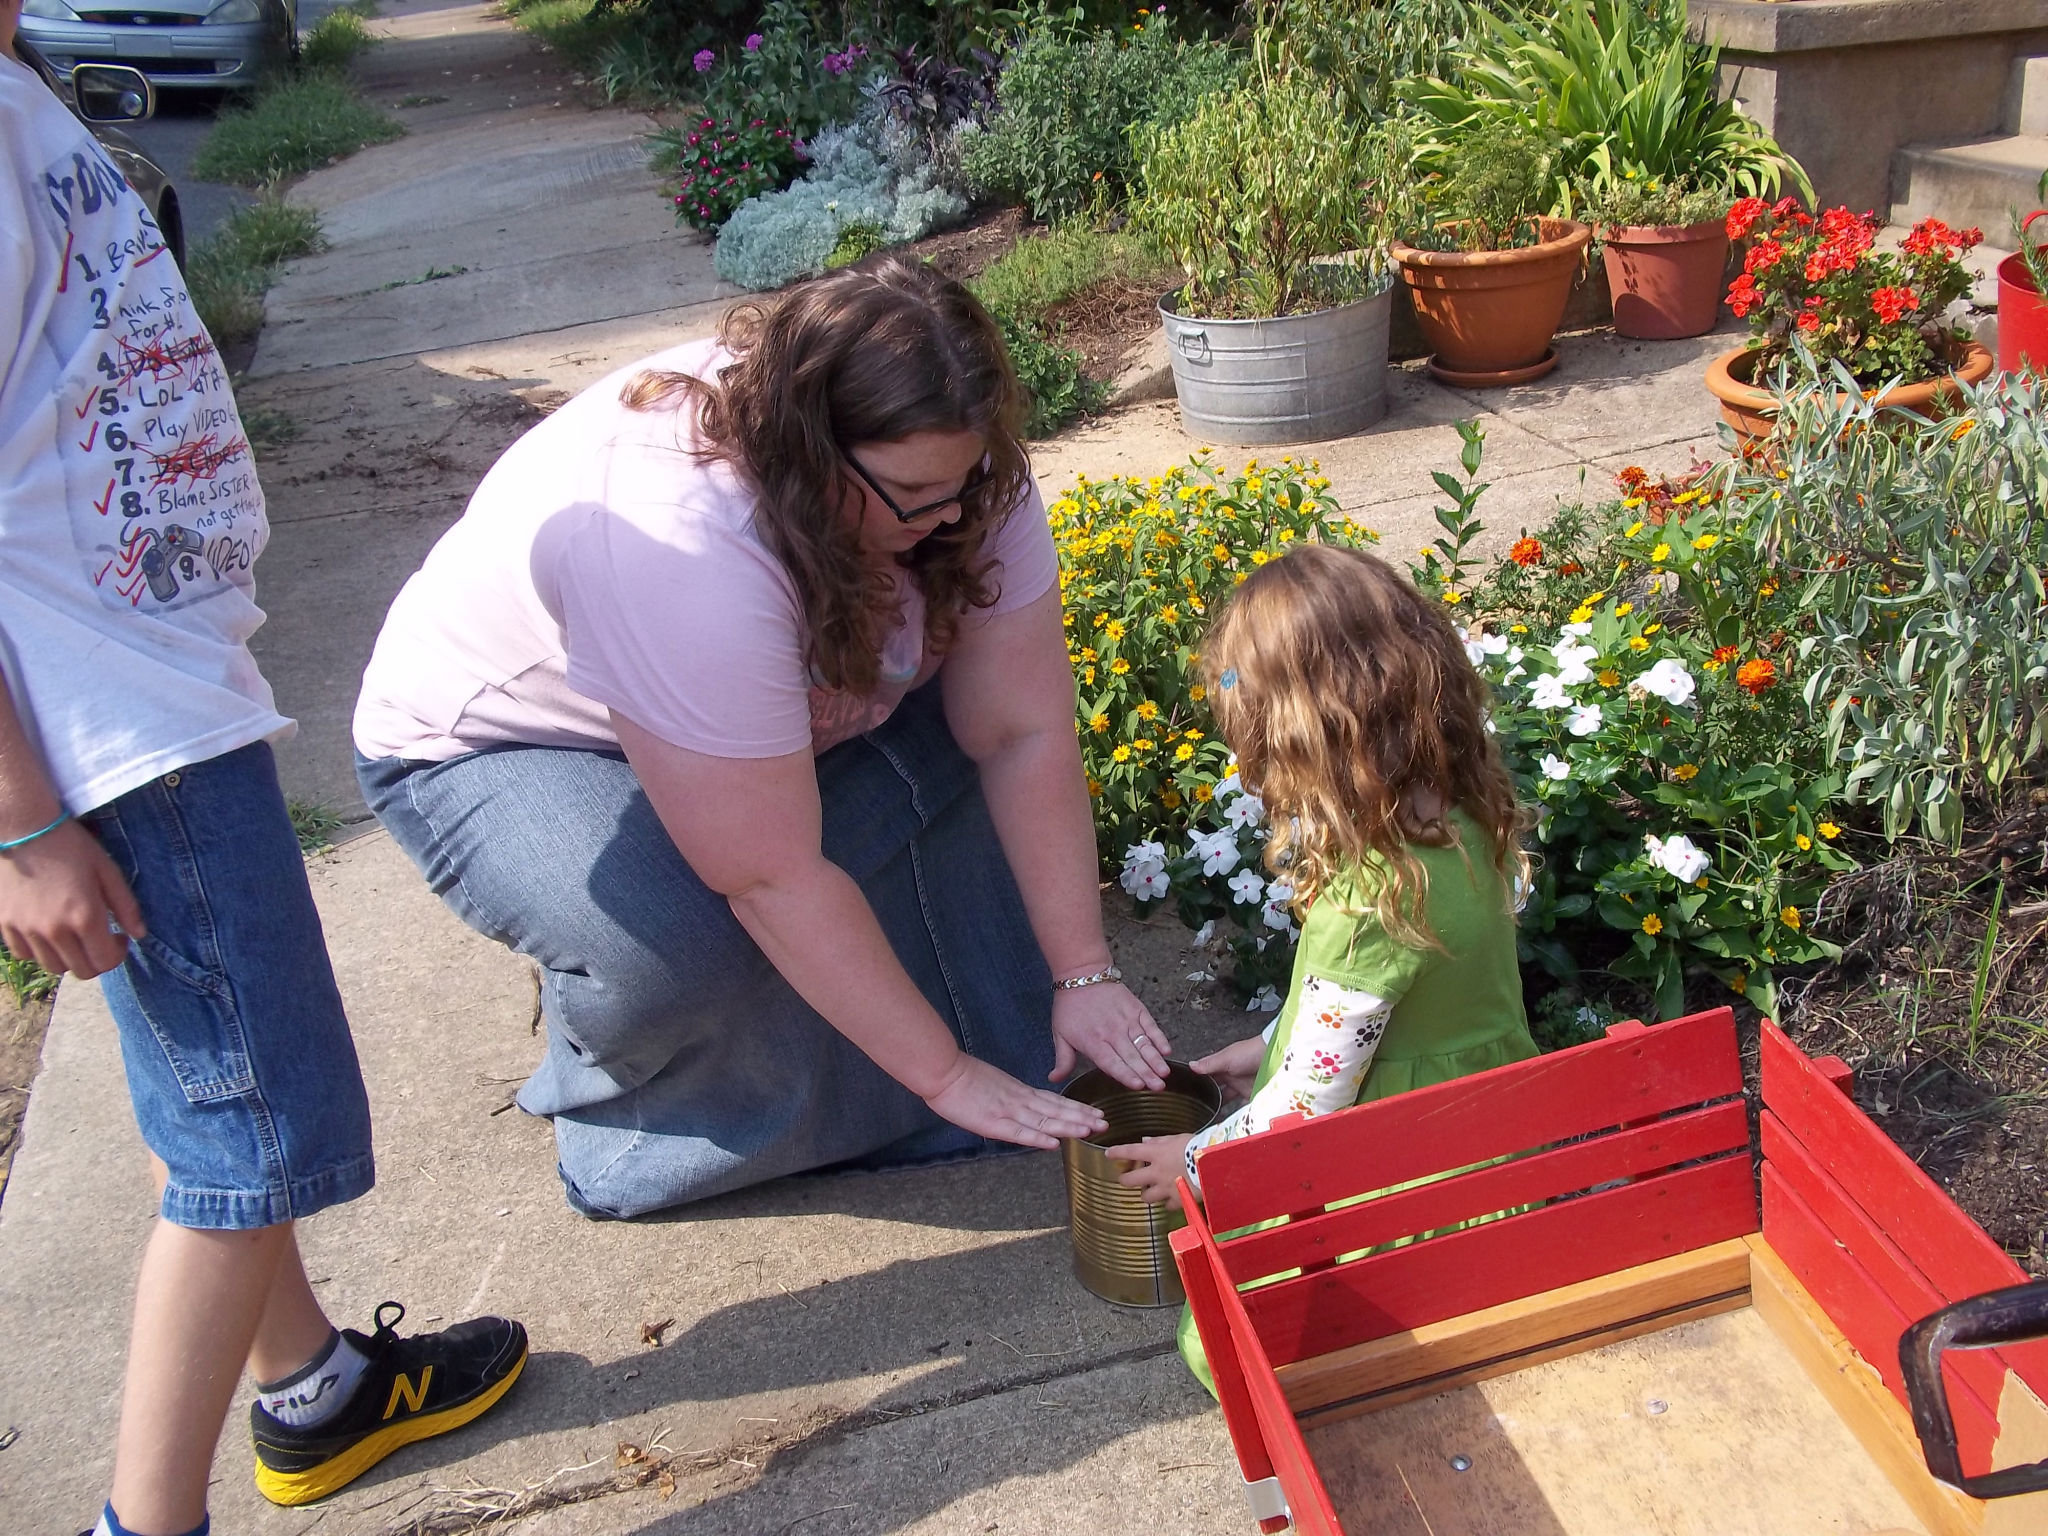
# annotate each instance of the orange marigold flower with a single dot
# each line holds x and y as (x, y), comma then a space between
(1756, 675)
(1525, 552)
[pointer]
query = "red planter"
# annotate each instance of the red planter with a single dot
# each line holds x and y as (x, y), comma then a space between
(2022, 319)
(1666, 279)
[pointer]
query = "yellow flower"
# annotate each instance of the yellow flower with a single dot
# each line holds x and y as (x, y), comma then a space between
(1122, 753)
(1114, 629)
(1790, 917)
(1739, 983)
(1638, 643)
(1701, 882)
(1651, 629)
(1653, 925)
(1198, 693)
(1581, 614)
(1168, 614)
(1183, 752)
(1221, 551)
(1453, 597)
(1094, 787)
(1632, 501)
(1802, 842)
(1147, 710)
(1661, 552)
(1119, 666)
(1518, 629)
(1204, 794)
(1706, 541)
(1255, 485)
(1829, 830)
(1099, 724)
(1607, 677)
(1088, 653)
(1633, 529)
(1286, 534)
(1143, 744)
(1260, 557)
(1624, 609)
(1962, 430)
(1171, 799)
(1194, 735)
(1685, 773)
(1088, 676)
(1101, 619)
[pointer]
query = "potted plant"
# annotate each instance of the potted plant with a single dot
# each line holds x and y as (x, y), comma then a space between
(1665, 247)
(1820, 284)
(1489, 274)
(1278, 208)
(2022, 309)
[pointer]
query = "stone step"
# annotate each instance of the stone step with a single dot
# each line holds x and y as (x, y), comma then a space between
(2026, 95)
(1978, 183)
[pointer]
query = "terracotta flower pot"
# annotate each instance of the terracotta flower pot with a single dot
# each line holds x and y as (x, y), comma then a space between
(1666, 279)
(1488, 316)
(1752, 412)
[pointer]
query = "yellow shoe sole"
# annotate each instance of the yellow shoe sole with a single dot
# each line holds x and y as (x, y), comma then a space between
(337, 1472)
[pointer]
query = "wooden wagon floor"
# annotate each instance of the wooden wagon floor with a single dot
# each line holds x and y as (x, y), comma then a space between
(1745, 1444)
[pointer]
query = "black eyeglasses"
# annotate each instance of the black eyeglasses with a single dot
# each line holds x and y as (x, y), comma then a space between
(977, 477)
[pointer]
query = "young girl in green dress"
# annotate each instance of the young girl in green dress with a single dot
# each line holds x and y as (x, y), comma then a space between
(1357, 718)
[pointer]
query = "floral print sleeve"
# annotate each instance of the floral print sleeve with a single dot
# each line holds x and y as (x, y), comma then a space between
(1336, 1031)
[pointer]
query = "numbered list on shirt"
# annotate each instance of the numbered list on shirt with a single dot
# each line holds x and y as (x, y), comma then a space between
(163, 488)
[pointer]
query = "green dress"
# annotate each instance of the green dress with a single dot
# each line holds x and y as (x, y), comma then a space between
(1456, 1011)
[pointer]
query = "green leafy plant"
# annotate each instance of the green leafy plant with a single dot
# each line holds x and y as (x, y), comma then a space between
(1263, 180)
(859, 239)
(1821, 285)
(1639, 202)
(1044, 271)
(27, 981)
(335, 40)
(1617, 85)
(1366, 48)
(1052, 375)
(1493, 196)
(717, 164)
(293, 125)
(1069, 103)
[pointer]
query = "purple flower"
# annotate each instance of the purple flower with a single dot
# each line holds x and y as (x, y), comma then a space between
(753, 42)
(835, 64)
(704, 60)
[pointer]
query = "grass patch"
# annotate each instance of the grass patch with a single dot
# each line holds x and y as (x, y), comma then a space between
(228, 272)
(29, 982)
(315, 824)
(336, 39)
(612, 45)
(1041, 272)
(293, 125)
(266, 427)
(576, 29)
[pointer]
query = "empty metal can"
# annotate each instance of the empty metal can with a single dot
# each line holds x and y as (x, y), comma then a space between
(1121, 1252)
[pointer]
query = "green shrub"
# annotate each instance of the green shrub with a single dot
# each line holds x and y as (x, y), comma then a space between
(1068, 104)
(1051, 374)
(228, 272)
(293, 125)
(1367, 48)
(29, 982)
(1043, 271)
(335, 40)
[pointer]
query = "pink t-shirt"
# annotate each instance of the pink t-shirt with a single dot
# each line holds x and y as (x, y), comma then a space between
(599, 566)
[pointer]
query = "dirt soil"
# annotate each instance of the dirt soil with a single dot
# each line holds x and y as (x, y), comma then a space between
(21, 1049)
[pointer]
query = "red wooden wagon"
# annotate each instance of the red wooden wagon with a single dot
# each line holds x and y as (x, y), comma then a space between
(1632, 1350)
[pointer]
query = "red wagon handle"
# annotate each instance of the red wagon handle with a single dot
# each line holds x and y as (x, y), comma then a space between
(2015, 1315)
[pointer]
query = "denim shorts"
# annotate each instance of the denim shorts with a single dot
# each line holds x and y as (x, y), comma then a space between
(240, 1064)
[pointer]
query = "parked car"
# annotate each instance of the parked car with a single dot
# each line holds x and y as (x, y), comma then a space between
(116, 94)
(178, 44)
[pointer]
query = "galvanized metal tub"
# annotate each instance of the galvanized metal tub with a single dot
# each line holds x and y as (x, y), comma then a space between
(1297, 379)
(1120, 1243)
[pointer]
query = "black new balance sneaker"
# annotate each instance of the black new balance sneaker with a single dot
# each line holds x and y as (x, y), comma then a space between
(414, 1389)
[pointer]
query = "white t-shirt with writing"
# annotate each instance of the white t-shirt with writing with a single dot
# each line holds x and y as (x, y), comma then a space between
(129, 511)
(601, 566)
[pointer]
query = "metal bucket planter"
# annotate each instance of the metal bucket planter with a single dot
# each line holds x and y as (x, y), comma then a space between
(1296, 379)
(1121, 1251)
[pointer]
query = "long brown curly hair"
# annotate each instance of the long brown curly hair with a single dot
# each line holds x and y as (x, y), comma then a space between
(1356, 715)
(871, 353)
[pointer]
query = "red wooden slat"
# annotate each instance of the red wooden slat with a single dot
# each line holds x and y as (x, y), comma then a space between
(1978, 1372)
(1193, 1248)
(1955, 1254)
(1270, 1443)
(1504, 1260)
(1565, 1170)
(1552, 1098)
(1858, 1305)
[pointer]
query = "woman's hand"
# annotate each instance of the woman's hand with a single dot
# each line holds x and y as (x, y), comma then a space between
(988, 1101)
(1236, 1066)
(1157, 1162)
(56, 895)
(1109, 1026)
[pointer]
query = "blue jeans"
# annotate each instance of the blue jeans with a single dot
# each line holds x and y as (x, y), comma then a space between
(679, 1062)
(239, 1059)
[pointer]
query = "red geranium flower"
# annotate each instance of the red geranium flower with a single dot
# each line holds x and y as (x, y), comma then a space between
(1743, 216)
(1892, 303)
(1762, 256)
(1742, 295)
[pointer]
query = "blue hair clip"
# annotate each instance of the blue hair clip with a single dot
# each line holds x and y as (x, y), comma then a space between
(1228, 679)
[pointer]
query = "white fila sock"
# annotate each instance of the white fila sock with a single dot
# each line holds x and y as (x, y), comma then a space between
(315, 1392)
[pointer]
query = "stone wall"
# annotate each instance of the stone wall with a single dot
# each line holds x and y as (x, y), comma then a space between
(1843, 84)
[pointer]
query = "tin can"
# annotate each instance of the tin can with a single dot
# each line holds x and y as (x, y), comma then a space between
(1121, 1252)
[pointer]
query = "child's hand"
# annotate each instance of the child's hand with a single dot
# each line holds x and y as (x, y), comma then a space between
(1235, 1066)
(1159, 1161)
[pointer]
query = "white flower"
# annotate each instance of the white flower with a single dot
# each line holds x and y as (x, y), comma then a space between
(1669, 681)
(1547, 692)
(1247, 810)
(1555, 768)
(1523, 890)
(1277, 915)
(1265, 1000)
(1678, 857)
(1144, 864)
(1217, 850)
(1226, 787)
(1203, 934)
(1578, 629)
(1491, 728)
(1280, 890)
(1494, 644)
(1584, 720)
(1514, 655)
(1517, 670)
(1571, 662)
(1474, 651)
(1246, 887)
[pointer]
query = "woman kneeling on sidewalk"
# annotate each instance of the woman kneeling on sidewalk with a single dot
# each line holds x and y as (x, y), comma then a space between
(739, 701)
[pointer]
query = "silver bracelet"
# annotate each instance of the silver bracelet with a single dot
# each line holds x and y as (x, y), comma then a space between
(1093, 978)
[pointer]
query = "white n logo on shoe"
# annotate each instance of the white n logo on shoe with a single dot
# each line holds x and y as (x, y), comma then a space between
(415, 1397)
